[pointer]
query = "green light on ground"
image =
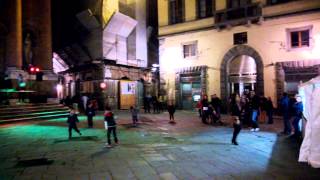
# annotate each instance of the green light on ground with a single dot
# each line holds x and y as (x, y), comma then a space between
(7, 90)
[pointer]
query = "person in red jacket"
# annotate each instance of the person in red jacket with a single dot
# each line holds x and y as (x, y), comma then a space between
(111, 126)
(199, 107)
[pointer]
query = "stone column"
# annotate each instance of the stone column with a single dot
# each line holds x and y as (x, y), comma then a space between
(14, 38)
(44, 46)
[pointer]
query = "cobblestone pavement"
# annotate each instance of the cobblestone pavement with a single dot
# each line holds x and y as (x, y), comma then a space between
(153, 150)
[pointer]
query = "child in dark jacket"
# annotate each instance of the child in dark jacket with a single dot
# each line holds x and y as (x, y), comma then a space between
(110, 125)
(171, 110)
(134, 113)
(72, 122)
(90, 112)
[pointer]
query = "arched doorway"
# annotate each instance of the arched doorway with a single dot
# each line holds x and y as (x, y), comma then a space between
(242, 74)
(235, 61)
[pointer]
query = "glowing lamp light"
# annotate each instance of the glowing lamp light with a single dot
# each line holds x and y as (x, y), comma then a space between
(22, 84)
(37, 69)
(32, 69)
(103, 85)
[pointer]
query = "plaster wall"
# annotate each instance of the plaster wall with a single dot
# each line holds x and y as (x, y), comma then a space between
(269, 39)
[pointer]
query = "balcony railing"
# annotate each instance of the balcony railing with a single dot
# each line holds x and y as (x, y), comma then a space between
(239, 15)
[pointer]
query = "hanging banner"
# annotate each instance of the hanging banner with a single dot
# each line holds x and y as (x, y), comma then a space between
(128, 87)
(127, 94)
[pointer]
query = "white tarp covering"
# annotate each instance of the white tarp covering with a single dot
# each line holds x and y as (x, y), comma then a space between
(310, 148)
(115, 36)
(121, 25)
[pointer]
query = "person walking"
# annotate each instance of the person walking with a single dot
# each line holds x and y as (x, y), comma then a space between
(171, 110)
(269, 110)
(284, 105)
(205, 109)
(236, 113)
(134, 113)
(90, 112)
(255, 105)
(298, 110)
(217, 104)
(111, 126)
(199, 107)
(84, 100)
(72, 122)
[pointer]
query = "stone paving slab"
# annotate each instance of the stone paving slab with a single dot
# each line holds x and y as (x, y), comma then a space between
(154, 150)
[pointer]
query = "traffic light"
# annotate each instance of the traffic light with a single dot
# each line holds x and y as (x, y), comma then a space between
(33, 69)
(36, 70)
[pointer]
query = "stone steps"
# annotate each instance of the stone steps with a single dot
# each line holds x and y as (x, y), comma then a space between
(26, 112)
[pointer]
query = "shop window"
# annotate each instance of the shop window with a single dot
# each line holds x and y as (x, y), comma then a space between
(189, 50)
(176, 11)
(205, 8)
(299, 37)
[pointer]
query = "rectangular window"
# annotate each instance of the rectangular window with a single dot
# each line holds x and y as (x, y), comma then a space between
(189, 50)
(240, 38)
(176, 11)
(300, 39)
(205, 8)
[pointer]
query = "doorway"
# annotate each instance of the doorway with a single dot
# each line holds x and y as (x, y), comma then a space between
(190, 93)
(242, 74)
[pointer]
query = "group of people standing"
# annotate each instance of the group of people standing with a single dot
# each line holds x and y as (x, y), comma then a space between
(209, 112)
(156, 103)
(291, 108)
(247, 109)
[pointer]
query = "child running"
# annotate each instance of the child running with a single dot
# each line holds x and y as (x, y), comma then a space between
(134, 113)
(72, 122)
(110, 125)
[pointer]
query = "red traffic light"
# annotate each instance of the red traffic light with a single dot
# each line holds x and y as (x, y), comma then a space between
(34, 69)
(103, 85)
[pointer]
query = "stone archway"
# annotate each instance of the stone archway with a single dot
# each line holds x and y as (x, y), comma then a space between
(230, 55)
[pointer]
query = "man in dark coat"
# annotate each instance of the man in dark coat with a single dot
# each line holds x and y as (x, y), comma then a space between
(205, 109)
(284, 104)
(216, 104)
(298, 109)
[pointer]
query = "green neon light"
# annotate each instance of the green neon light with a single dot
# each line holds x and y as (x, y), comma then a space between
(22, 84)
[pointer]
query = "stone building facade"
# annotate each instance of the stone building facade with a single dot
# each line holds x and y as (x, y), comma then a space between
(266, 46)
(111, 47)
(26, 39)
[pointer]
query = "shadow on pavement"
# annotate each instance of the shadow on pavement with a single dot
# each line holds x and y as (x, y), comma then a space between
(283, 161)
(81, 138)
(100, 153)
